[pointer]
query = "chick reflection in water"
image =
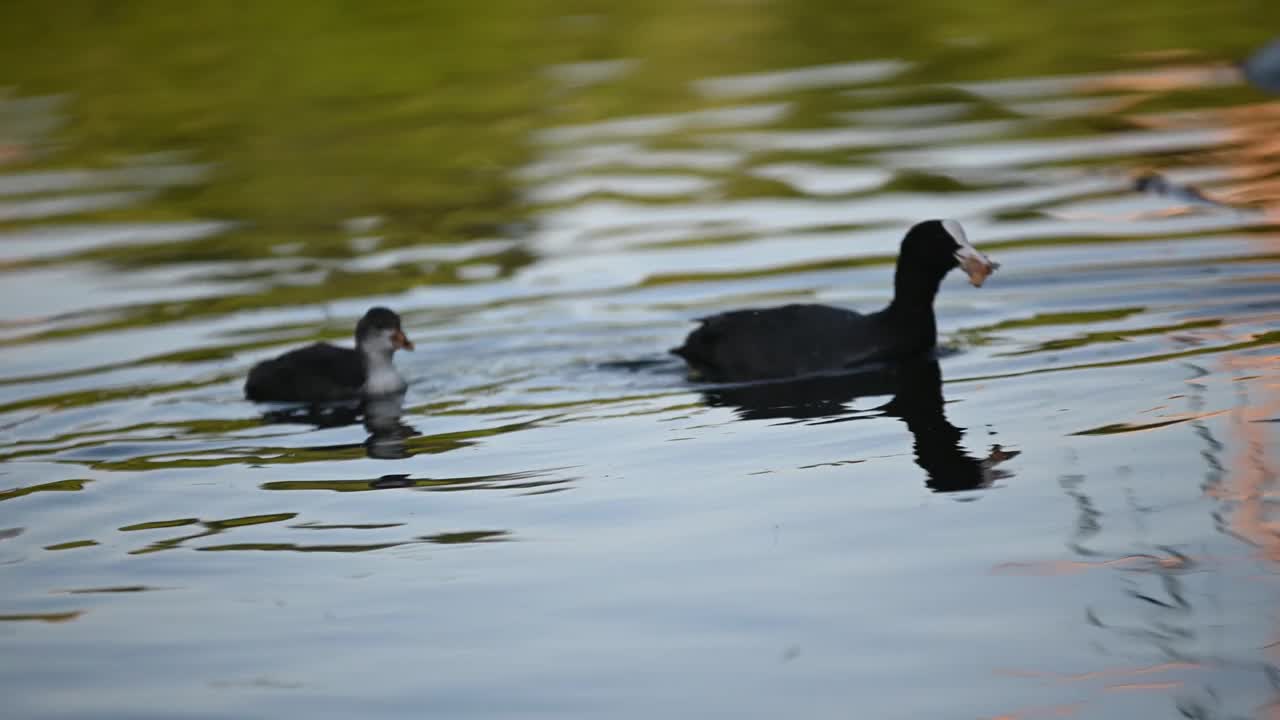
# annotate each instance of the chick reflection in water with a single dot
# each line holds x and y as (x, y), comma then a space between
(387, 434)
(916, 387)
(380, 414)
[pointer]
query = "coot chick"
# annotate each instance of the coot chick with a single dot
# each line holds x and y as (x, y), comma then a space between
(795, 340)
(324, 372)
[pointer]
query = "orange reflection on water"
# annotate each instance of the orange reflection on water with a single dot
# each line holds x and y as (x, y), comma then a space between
(1047, 711)
(1253, 479)
(1113, 674)
(1162, 80)
(1171, 685)
(1071, 567)
(1252, 483)
(1250, 152)
(1103, 674)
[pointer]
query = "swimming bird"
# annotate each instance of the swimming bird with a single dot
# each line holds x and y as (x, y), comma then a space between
(324, 372)
(796, 340)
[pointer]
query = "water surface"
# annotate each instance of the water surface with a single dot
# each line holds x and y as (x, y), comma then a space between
(1068, 514)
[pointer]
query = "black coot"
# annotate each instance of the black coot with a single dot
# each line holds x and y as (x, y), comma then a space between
(324, 372)
(795, 340)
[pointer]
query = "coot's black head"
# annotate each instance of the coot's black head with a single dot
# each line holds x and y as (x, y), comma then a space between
(379, 331)
(933, 247)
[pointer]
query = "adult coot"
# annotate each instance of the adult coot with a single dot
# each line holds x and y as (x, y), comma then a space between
(324, 372)
(794, 340)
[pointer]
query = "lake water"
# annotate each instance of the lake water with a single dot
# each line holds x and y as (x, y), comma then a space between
(1070, 514)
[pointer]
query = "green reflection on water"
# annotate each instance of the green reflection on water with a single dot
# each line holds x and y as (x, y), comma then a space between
(94, 397)
(418, 114)
(210, 528)
(1119, 428)
(503, 481)
(314, 112)
(1064, 318)
(159, 524)
(1095, 338)
(471, 536)
(294, 547)
(72, 545)
(55, 617)
(112, 590)
(1259, 340)
(56, 486)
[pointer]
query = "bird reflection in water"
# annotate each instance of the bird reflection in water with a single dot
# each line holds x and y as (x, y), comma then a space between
(381, 416)
(916, 388)
(387, 434)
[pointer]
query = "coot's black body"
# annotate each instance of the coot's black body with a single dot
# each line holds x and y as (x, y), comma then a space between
(316, 373)
(325, 373)
(787, 341)
(796, 340)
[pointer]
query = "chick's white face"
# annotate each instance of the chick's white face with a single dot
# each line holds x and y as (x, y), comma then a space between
(380, 342)
(383, 342)
(378, 345)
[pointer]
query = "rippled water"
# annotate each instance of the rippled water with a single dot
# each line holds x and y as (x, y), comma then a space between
(1068, 515)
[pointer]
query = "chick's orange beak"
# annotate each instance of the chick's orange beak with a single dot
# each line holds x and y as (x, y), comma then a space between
(399, 340)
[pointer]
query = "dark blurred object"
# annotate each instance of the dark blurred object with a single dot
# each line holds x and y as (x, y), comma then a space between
(1157, 184)
(1262, 68)
(917, 400)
